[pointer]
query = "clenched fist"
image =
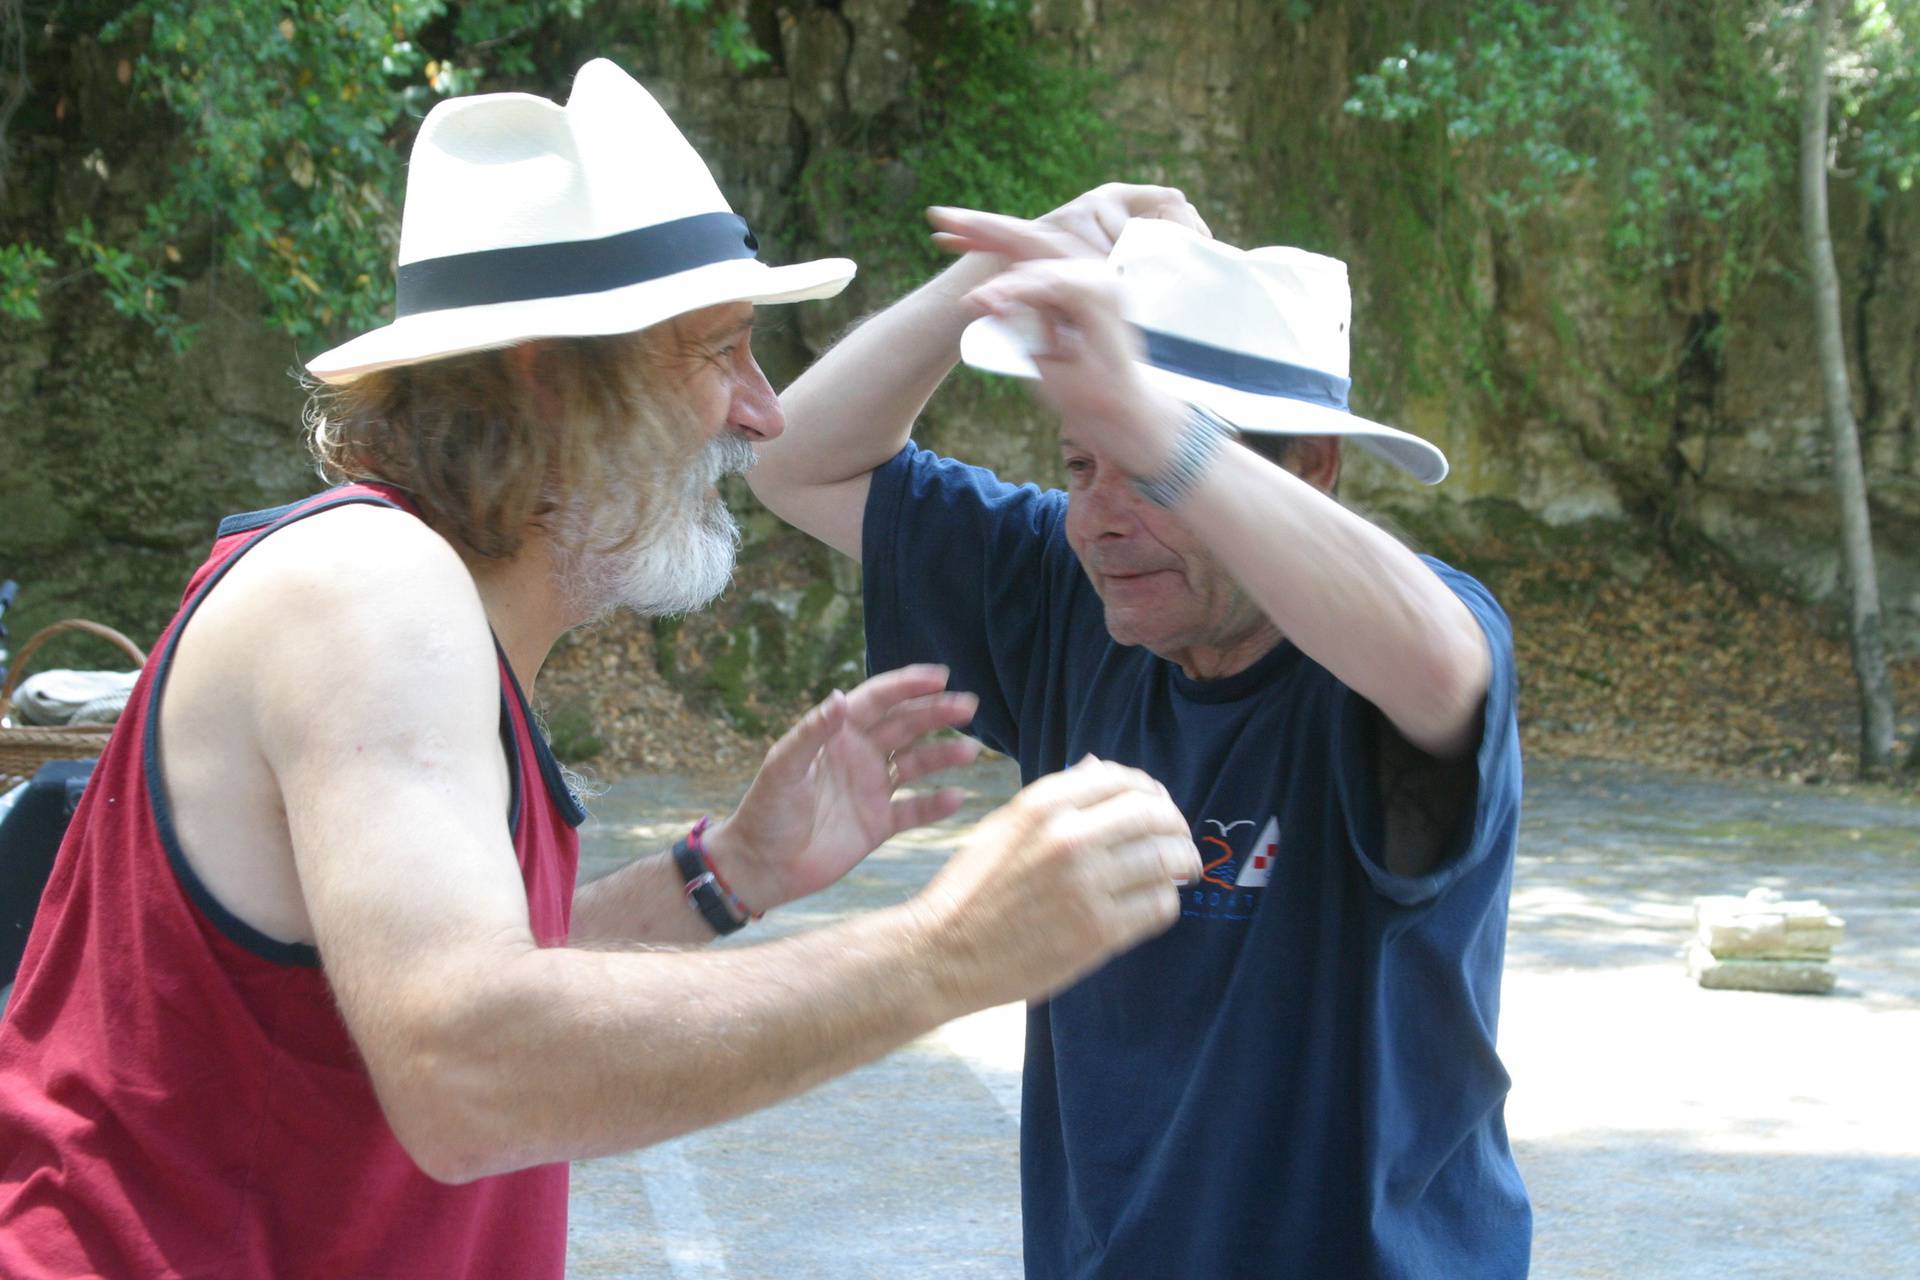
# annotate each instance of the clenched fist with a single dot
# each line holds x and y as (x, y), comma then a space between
(1077, 867)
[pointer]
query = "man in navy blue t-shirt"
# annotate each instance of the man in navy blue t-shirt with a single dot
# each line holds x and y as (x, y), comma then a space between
(1299, 1079)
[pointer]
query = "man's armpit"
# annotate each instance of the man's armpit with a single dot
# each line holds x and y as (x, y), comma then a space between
(1425, 802)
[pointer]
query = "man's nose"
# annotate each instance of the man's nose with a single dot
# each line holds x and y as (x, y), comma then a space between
(1114, 504)
(755, 412)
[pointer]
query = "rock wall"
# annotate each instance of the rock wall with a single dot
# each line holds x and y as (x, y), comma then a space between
(1550, 384)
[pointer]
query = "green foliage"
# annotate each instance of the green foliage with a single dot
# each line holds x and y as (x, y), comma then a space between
(1681, 122)
(996, 10)
(21, 266)
(294, 119)
(290, 112)
(998, 121)
(1677, 130)
(1008, 126)
(731, 39)
(495, 41)
(1877, 89)
(135, 287)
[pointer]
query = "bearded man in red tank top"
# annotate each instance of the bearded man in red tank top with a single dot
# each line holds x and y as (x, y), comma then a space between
(311, 993)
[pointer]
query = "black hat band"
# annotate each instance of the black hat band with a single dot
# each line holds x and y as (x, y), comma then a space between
(523, 273)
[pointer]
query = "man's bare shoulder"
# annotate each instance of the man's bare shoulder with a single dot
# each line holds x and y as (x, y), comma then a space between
(351, 568)
(358, 548)
(356, 601)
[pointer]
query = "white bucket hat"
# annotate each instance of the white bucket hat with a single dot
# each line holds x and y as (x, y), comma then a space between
(1258, 336)
(525, 219)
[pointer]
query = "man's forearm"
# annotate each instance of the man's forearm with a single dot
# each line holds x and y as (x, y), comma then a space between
(1349, 595)
(491, 1053)
(642, 902)
(566, 1053)
(853, 409)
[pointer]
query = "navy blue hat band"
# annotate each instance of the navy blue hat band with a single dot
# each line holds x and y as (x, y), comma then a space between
(1244, 372)
(525, 272)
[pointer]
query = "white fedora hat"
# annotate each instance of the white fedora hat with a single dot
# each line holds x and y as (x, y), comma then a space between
(1258, 336)
(525, 219)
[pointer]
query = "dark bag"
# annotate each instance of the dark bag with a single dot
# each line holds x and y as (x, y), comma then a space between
(30, 835)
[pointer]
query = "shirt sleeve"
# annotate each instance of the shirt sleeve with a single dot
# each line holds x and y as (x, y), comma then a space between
(959, 567)
(1487, 822)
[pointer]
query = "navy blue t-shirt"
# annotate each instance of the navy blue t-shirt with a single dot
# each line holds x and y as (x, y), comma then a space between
(1299, 1078)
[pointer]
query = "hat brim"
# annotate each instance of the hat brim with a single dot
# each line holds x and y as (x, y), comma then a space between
(991, 345)
(434, 335)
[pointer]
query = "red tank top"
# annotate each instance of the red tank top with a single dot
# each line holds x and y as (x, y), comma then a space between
(178, 1094)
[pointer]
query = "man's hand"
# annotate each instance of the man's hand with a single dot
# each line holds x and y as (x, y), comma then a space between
(1078, 867)
(1084, 227)
(1086, 355)
(824, 799)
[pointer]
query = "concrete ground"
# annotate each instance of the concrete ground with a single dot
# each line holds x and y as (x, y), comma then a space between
(1665, 1131)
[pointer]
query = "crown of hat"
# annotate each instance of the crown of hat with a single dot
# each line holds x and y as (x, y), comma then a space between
(526, 220)
(1278, 303)
(505, 170)
(1257, 336)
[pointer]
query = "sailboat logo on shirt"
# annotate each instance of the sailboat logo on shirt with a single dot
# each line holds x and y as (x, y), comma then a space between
(1225, 878)
(1258, 868)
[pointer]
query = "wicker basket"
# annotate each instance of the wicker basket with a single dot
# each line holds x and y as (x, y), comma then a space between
(24, 748)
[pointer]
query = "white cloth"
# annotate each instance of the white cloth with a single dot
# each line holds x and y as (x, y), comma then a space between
(53, 698)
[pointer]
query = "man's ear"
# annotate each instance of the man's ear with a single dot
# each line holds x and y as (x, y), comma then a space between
(1316, 459)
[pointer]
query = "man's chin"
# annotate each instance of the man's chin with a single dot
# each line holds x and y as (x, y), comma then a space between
(677, 596)
(656, 582)
(647, 607)
(1125, 628)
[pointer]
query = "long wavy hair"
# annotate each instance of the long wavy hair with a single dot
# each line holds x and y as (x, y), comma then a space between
(488, 444)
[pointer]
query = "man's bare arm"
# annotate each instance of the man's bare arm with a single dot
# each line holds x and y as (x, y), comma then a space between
(1349, 594)
(854, 408)
(489, 1052)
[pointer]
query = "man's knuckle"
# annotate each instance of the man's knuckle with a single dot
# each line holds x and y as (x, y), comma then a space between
(1066, 840)
(1166, 906)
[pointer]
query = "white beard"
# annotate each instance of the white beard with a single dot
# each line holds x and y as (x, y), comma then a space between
(683, 558)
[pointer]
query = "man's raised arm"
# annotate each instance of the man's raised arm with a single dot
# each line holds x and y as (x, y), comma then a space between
(1345, 591)
(854, 408)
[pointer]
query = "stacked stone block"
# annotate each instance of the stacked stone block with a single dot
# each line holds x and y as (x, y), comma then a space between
(1763, 942)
